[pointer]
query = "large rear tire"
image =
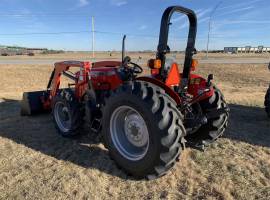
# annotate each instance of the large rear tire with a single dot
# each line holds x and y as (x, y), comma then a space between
(142, 129)
(216, 126)
(67, 114)
(267, 102)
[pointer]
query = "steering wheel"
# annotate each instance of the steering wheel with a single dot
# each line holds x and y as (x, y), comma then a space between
(137, 69)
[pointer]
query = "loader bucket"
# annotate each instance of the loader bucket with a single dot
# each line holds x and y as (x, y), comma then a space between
(31, 103)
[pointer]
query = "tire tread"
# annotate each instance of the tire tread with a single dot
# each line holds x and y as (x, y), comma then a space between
(168, 120)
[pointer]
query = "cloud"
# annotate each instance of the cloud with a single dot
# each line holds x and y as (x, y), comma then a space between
(200, 16)
(236, 10)
(202, 13)
(83, 3)
(142, 27)
(28, 21)
(26, 12)
(182, 16)
(118, 3)
(221, 28)
(177, 19)
(246, 3)
(229, 22)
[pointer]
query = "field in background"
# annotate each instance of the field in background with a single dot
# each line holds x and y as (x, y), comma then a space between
(36, 163)
(134, 55)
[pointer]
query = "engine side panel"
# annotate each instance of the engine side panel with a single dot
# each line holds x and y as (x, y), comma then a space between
(105, 78)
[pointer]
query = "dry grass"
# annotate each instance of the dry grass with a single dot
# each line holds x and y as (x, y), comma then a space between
(36, 163)
(133, 55)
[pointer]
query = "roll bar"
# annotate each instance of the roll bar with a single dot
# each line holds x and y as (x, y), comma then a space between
(164, 33)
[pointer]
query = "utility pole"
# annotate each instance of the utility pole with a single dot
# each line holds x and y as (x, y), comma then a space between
(209, 26)
(93, 37)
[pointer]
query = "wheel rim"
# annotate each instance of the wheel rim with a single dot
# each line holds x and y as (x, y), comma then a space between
(129, 133)
(62, 116)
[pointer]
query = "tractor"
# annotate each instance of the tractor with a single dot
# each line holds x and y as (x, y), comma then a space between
(267, 99)
(145, 120)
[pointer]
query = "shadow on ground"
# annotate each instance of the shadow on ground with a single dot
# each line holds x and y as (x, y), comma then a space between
(38, 133)
(247, 124)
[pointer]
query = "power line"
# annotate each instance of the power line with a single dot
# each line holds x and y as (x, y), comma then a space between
(79, 32)
(109, 33)
(16, 15)
(75, 32)
(19, 13)
(44, 33)
(128, 34)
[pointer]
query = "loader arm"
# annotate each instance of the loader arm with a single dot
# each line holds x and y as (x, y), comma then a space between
(61, 68)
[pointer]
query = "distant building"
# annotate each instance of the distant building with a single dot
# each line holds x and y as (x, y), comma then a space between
(247, 49)
(230, 49)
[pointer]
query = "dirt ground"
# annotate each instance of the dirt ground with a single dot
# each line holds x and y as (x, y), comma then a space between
(133, 55)
(37, 163)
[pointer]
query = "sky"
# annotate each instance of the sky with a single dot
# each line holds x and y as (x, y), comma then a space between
(66, 24)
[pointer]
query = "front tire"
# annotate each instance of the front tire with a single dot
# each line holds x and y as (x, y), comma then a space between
(267, 102)
(145, 113)
(67, 114)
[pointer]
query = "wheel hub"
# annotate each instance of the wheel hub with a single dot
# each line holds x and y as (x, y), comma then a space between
(134, 129)
(129, 133)
(62, 116)
(65, 114)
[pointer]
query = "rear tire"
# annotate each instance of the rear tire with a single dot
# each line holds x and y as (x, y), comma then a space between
(267, 102)
(164, 124)
(67, 114)
(215, 127)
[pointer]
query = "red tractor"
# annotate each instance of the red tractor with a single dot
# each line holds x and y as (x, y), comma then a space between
(145, 121)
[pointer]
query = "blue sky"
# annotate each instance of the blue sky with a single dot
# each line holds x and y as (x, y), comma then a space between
(235, 23)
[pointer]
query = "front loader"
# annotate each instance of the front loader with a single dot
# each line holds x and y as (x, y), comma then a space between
(145, 121)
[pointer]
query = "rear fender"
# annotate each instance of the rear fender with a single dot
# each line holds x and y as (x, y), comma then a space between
(160, 84)
(197, 85)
